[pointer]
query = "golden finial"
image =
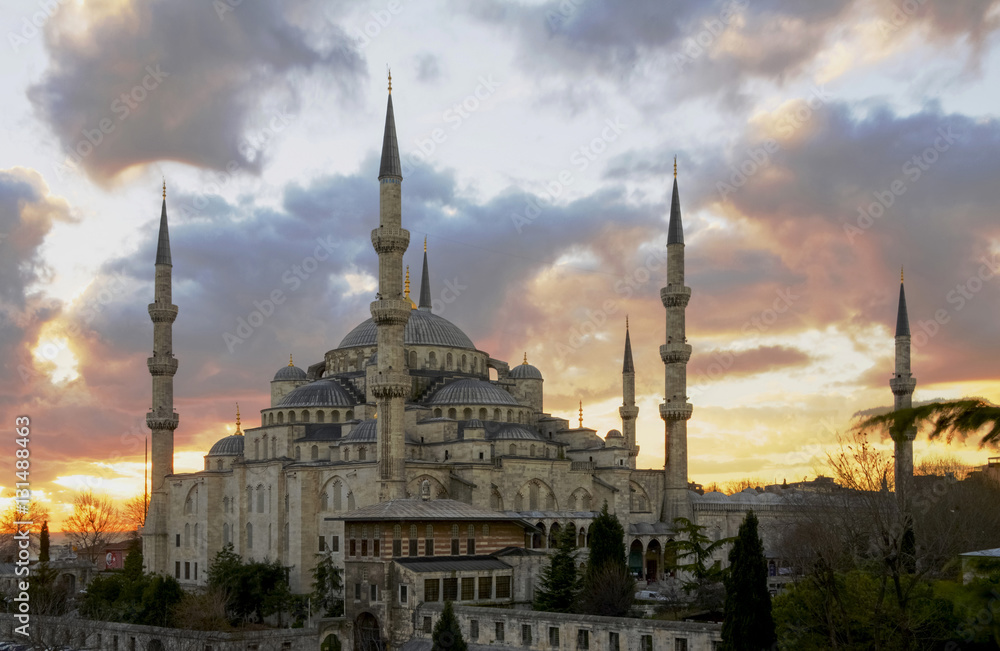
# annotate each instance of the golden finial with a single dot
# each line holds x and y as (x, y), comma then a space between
(581, 414)
(290, 363)
(164, 188)
(675, 166)
(525, 362)
(390, 79)
(406, 292)
(238, 431)
(901, 275)
(425, 244)
(626, 322)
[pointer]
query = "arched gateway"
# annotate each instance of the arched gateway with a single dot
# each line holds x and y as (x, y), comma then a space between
(368, 633)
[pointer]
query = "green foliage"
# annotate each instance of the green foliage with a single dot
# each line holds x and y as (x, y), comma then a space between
(254, 590)
(747, 623)
(559, 582)
(327, 587)
(954, 418)
(447, 634)
(125, 596)
(696, 549)
(43, 545)
(133, 559)
(48, 595)
(159, 596)
(606, 543)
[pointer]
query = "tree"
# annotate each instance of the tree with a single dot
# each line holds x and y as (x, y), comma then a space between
(43, 543)
(96, 521)
(447, 635)
(133, 513)
(35, 512)
(253, 589)
(608, 586)
(559, 582)
(328, 587)
(960, 418)
(693, 551)
(747, 623)
(606, 542)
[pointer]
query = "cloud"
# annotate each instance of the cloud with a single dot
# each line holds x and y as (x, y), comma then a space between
(181, 82)
(735, 363)
(428, 68)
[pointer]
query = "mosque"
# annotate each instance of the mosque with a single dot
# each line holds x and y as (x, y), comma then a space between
(407, 410)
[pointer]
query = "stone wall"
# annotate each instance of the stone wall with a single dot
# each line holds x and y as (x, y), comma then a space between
(525, 629)
(47, 632)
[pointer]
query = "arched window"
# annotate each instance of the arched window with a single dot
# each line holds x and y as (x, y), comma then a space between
(324, 501)
(571, 504)
(518, 502)
(581, 539)
(347, 454)
(467, 413)
(429, 540)
(225, 533)
(447, 361)
(586, 502)
(337, 490)
(298, 452)
(510, 416)
(513, 449)
(225, 505)
(463, 362)
(249, 499)
(452, 414)
(531, 451)
(195, 533)
(187, 535)
(533, 497)
(413, 359)
(432, 360)
(486, 530)
(412, 545)
(314, 452)
(270, 418)
(550, 501)
(305, 416)
(437, 412)
(260, 499)
(281, 418)
(291, 416)
(362, 453)
(482, 413)
(263, 441)
(256, 448)
(496, 414)
(249, 536)
(454, 540)
(350, 501)
(334, 416)
(349, 415)
(320, 416)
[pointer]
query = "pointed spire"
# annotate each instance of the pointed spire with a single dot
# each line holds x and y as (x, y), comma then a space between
(425, 283)
(525, 362)
(390, 166)
(581, 414)
(902, 319)
(406, 290)
(290, 362)
(238, 430)
(163, 242)
(627, 365)
(675, 229)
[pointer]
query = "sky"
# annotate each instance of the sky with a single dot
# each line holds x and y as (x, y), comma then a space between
(820, 147)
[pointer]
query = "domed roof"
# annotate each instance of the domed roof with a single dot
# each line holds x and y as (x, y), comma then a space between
(321, 393)
(513, 432)
(614, 434)
(525, 371)
(364, 432)
(231, 446)
(472, 392)
(289, 372)
(424, 327)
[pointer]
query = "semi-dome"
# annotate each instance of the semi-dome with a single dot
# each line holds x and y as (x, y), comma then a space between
(525, 371)
(614, 434)
(472, 392)
(423, 327)
(231, 446)
(512, 432)
(321, 393)
(289, 372)
(364, 432)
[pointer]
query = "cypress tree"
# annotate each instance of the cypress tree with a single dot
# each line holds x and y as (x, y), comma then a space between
(559, 583)
(747, 623)
(43, 544)
(447, 635)
(606, 543)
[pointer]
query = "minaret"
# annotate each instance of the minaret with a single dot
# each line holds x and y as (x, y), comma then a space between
(390, 312)
(425, 284)
(902, 385)
(161, 419)
(629, 411)
(675, 410)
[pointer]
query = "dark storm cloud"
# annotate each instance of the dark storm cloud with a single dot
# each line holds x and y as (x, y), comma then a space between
(428, 68)
(177, 81)
(697, 49)
(737, 363)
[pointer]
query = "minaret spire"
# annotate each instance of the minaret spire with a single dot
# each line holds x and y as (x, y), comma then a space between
(675, 410)
(390, 384)
(902, 384)
(425, 284)
(161, 419)
(629, 411)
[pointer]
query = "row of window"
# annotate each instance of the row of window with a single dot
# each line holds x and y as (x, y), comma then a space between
(365, 545)
(583, 636)
(303, 417)
(187, 570)
(468, 589)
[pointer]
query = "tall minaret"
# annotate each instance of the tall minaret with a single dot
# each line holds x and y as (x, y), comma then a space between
(902, 385)
(390, 312)
(425, 284)
(675, 410)
(629, 411)
(161, 419)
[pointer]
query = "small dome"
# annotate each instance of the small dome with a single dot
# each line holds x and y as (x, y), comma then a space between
(321, 393)
(472, 392)
(231, 446)
(525, 371)
(289, 373)
(614, 434)
(513, 432)
(364, 432)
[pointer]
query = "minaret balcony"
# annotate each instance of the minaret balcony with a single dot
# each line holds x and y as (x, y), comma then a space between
(673, 411)
(390, 311)
(675, 353)
(628, 412)
(902, 386)
(390, 384)
(155, 422)
(162, 365)
(162, 313)
(675, 295)
(390, 239)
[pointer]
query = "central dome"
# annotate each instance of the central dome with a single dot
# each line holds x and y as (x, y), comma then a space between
(424, 327)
